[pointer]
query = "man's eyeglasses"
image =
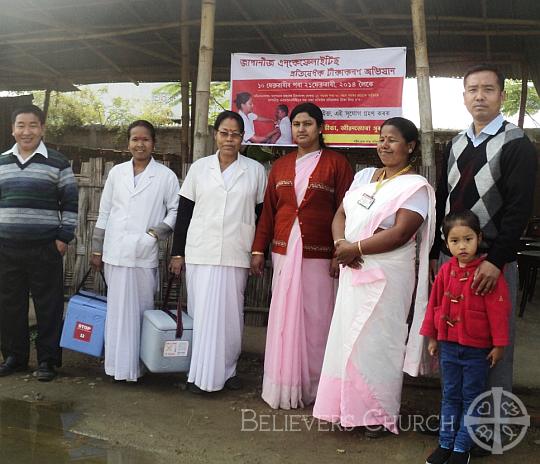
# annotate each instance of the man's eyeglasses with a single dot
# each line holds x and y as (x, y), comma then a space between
(226, 134)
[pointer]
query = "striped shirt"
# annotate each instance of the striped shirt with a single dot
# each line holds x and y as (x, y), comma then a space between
(38, 199)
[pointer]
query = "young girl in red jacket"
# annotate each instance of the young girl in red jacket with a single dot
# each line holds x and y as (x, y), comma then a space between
(468, 331)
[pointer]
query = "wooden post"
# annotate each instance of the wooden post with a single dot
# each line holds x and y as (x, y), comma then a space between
(46, 102)
(184, 85)
(524, 89)
(193, 77)
(204, 76)
(422, 78)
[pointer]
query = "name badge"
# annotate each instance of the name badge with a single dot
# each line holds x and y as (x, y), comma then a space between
(366, 200)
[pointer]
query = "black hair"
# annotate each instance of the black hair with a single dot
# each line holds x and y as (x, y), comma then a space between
(485, 67)
(36, 110)
(406, 128)
(283, 108)
(462, 218)
(142, 123)
(315, 112)
(229, 115)
(241, 98)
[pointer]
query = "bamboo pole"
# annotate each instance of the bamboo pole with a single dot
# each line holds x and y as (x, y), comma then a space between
(204, 76)
(27, 71)
(288, 12)
(140, 49)
(99, 32)
(371, 23)
(108, 61)
(142, 21)
(487, 38)
(78, 34)
(184, 84)
(193, 77)
(524, 89)
(46, 103)
(422, 78)
(262, 34)
(343, 22)
(64, 6)
(41, 63)
(68, 36)
(401, 31)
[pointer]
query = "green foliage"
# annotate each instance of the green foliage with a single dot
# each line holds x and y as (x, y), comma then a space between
(85, 107)
(219, 100)
(73, 109)
(119, 114)
(157, 113)
(510, 106)
(219, 97)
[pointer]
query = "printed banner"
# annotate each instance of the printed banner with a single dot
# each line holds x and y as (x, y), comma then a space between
(356, 89)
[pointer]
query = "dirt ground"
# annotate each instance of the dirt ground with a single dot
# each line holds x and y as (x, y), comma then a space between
(157, 415)
(171, 425)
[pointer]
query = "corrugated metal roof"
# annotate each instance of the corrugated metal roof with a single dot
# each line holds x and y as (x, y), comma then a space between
(61, 43)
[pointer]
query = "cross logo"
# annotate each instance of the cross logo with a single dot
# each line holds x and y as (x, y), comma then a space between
(497, 420)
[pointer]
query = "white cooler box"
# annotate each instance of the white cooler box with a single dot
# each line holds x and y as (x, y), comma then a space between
(161, 351)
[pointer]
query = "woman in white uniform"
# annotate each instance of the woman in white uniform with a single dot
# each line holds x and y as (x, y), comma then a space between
(138, 208)
(213, 236)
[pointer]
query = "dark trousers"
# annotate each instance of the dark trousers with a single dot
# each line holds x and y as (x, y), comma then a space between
(464, 374)
(39, 270)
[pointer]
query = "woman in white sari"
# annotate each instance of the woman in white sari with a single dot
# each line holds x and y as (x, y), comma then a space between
(374, 231)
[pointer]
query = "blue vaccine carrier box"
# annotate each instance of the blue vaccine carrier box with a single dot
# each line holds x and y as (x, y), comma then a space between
(84, 323)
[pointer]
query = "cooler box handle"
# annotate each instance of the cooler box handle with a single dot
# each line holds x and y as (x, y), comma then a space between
(178, 320)
(86, 277)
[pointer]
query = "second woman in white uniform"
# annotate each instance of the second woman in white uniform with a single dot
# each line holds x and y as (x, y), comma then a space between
(213, 236)
(138, 208)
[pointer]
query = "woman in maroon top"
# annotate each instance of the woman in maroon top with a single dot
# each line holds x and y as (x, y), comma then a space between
(305, 188)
